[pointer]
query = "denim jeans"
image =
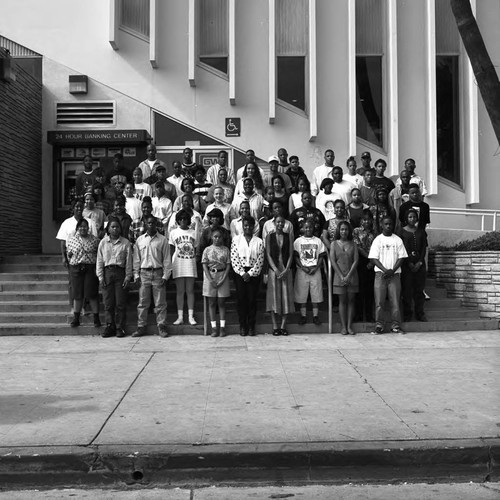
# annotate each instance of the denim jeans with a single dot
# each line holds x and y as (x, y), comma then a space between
(387, 288)
(152, 288)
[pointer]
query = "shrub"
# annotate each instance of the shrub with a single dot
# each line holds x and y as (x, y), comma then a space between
(487, 242)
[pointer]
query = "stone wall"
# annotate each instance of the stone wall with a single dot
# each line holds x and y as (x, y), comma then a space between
(20, 164)
(474, 277)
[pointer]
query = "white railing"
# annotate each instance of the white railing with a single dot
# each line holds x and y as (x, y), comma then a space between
(481, 213)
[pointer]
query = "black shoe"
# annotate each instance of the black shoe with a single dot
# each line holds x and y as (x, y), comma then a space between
(276, 332)
(243, 331)
(251, 332)
(316, 320)
(120, 333)
(97, 321)
(162, 331)
(302, 320)
(284, 332)
(109, 331)
(378, 330)
(141, 330)
(422, 317)
(76, 320)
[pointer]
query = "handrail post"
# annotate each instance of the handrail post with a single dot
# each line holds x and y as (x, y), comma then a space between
(330, 301)
(205, 325)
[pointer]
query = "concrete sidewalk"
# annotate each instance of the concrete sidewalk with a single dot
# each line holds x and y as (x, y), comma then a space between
(187, 402)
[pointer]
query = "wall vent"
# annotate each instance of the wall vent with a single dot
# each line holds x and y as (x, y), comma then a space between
(86, 113)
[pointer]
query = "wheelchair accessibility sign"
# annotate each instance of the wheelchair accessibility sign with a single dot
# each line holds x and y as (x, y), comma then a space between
(233, 127)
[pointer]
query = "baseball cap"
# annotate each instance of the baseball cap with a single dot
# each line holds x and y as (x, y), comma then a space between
(273, 158)
(366, 154)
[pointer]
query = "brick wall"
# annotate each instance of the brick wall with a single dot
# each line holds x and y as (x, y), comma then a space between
(20, 164)
(474, 277)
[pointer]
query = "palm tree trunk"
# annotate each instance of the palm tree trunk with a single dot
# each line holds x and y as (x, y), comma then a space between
(484, 71)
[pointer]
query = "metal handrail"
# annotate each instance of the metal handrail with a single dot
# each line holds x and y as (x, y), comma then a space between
(477, 212)
(330, 295)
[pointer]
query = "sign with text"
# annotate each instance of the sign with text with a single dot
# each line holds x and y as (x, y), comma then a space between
(98, 137)
(233, 127)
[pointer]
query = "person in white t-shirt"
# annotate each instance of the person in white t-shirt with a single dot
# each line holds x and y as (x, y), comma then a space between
(323, 171)
(387, 254)
(142, 189)
(309, 252)
(132, 204)
(177, 177)
(351, 176)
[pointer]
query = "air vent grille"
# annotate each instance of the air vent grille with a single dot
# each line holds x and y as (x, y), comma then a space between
(91, 113)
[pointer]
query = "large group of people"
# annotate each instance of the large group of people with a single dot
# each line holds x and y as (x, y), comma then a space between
(273, 226)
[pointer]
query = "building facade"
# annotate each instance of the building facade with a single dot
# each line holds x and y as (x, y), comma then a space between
(386, 76)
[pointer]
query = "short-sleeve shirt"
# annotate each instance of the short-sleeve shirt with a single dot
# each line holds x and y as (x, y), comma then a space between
(387, 249)
(299, 216)
(184, 258)
(309, 250)
(68, 229)
(216, 256)
(82, 250)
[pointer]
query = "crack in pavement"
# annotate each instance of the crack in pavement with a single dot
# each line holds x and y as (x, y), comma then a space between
(363, 378)
(121, 399)
(297, 406)
(206, 399)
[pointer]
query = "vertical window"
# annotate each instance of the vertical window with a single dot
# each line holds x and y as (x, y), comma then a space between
(369, 71)
(214, 34)
(291, 51)
(447, 92)
(134, 17)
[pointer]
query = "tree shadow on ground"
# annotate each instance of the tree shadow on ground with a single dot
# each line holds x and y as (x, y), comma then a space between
(30, 408)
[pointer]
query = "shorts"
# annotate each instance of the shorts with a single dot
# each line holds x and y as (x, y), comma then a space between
(307, 283)
(221, 291)
(84, 282)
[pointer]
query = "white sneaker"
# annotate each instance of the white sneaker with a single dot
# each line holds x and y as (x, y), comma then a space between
(192, 321)
(178, 321)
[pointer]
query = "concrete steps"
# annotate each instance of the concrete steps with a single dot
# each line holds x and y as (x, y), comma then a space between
(34, 286)
(30, 276)
(34, 301)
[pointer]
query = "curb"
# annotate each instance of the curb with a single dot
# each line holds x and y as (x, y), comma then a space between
(302, 463)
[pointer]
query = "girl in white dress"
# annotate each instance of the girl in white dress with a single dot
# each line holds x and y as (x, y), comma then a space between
(183, 241)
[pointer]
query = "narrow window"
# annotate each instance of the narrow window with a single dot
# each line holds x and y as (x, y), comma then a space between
(291, 51)
(134, 17)
(447, 92)
(214, 34)
(369, 71)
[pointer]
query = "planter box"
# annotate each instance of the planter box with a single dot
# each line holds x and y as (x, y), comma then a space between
(473, 277)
